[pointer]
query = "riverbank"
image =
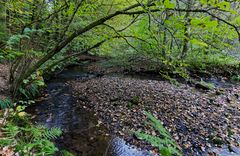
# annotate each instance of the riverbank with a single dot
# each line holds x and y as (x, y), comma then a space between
(197, 120)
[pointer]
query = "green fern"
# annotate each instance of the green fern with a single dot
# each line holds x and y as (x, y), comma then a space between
(6, 103)
(29, 139)
(41, 131)
(65, 153)
(52, 133)
(24, 92)
(165, 143)
(10, 131)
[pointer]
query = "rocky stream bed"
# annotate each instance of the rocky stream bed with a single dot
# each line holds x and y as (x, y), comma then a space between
(94, 112)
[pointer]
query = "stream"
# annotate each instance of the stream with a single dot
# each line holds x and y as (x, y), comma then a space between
(82, 134)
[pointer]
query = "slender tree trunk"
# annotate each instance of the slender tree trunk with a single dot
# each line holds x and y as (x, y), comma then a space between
(164, 43)
(186, 32)
(3, 24)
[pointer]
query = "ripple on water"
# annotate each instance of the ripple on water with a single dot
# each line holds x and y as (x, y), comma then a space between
(225, 151)
(119, 147)
(81, 135)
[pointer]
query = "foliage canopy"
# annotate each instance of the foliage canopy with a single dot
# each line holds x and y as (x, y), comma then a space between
(43, 35)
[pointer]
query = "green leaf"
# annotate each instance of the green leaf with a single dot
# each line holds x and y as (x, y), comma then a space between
(197, 42)
(204, 2)
(236, 20)
(40, 83)
(168, 4)
(224, 5)
(25, 81)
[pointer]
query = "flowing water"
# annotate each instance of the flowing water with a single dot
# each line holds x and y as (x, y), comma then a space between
(81, 134)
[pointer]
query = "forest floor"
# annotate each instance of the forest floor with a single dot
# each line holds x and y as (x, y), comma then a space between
(4, 80)
(198, 120)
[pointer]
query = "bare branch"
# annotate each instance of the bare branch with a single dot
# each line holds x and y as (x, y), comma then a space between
(121, 36)
(132, 22)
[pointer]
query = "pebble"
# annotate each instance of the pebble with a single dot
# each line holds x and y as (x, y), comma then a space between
(169, 103)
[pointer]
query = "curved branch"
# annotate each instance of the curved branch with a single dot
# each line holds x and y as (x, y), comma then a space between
(131, 23)
(85, 51)
(121, 36)
(96, 23)
(77, 33)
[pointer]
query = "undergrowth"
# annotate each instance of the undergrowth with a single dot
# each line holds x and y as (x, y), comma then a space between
(165, 143)
(235, 78)
(19, 136)
(203, 61)
(214, 62)
(6, 103)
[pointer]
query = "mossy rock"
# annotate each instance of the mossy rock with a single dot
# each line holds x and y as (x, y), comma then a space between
(220, 91)
(204, 85)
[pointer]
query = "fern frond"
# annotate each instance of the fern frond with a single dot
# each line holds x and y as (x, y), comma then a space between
(41, 131)
(33, 90)
(24, 92)
(36, 131)
(166, 144)
(11, 130)
(6, 103)
(65, 153)
(52, 133)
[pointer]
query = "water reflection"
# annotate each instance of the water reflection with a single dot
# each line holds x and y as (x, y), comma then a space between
(81, 135)
(118, 147)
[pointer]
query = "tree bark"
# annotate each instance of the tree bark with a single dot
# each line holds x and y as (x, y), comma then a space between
(186, 32)
(3, 24)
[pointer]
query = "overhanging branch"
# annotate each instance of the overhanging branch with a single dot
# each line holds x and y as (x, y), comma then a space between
(86, 50)
(96, 23)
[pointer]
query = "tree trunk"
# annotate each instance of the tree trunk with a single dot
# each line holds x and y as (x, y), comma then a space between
(186, 32)
(3, 24)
